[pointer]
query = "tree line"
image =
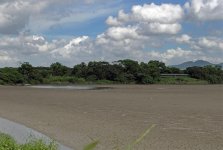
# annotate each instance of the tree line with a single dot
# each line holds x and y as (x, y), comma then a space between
(123, 71)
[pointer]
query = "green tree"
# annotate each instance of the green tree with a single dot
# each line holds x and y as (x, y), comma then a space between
(57, 69)
(213, 74)
(30, 74)
(11, 76)
(80, 70)
(27, 70)
(155, 68)
(130, 68)
(115, 72)
(98, 69)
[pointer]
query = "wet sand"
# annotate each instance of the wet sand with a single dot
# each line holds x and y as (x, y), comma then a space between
(187, 117)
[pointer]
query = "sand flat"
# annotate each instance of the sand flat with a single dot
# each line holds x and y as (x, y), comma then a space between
(187, 117)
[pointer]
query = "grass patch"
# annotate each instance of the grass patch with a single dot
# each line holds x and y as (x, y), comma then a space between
(8, 143)
(180, 80)
(91, 146)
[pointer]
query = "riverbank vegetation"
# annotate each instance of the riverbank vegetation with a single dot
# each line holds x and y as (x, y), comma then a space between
(8, 143)
(120, 72)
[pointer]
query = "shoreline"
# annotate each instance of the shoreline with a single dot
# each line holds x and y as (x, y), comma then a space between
(22, 133)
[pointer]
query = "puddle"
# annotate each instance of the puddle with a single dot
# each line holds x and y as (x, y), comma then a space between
(22, 133)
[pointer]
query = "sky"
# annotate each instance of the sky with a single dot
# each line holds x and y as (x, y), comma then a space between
(72, 31)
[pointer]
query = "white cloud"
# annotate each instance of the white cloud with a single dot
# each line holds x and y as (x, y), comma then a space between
(205, 10)
(121, 33)
(6, 59)
(13, 16)
(150, 19)
(164, 13)
(207, 44)
(26, 45)
(76, 42)
(4, 56)
(129, 34)
(113, 21)
(173, 53)
(120, 20)
(171, 56)
(78, 47)
(158, 28)
(210, 43)
(112, 49)
(183, 39)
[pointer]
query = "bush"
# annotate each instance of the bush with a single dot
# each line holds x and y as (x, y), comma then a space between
(147, 80)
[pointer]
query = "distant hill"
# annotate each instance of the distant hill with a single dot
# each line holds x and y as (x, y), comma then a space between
(198, 63)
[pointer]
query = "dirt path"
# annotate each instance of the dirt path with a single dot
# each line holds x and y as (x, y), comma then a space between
(187, 117)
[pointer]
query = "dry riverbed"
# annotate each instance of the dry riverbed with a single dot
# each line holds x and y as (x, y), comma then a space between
(187, 117)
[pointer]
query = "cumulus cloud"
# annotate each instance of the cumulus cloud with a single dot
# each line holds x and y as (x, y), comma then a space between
(119, 20)
(183, 39)
(112, 21)
(36, 48)
(76, 41)
(205, 10)
(213, 44)
(159, 28)
(172, 55)
(151, 18)
(129, 33)
(210, 43)
(121, 33)
(27, 45)
(164, 13)
(83, 48)
(6, 59)
(14, 16)
(76, 46)
(4, 56)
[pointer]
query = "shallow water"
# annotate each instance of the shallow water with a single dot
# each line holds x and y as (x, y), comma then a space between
(22, 133)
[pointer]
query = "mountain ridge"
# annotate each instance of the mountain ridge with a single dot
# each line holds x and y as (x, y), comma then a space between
(198, 63)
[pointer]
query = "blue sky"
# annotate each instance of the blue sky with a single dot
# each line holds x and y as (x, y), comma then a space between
(73, 31)
(97, 25)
